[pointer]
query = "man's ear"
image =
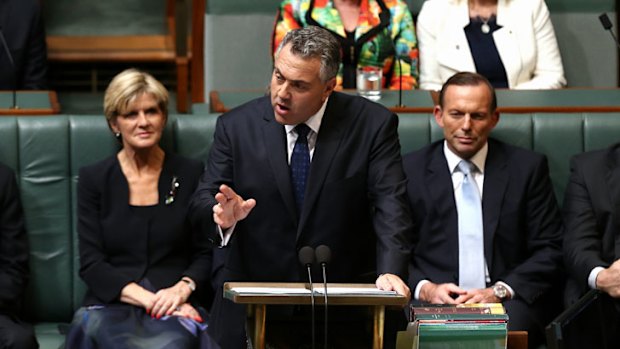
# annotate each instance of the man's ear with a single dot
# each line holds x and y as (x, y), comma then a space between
(438, 113)
(495, 118)
(329, 88)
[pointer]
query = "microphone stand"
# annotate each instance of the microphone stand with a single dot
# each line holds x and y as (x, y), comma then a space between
(400, 82)
(323, 266)
(306, 257)
(10, 56)
(311, 304)
(323, 256)
(400, 76)
(607, 26)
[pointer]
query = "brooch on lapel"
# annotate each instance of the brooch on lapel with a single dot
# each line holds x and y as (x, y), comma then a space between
(174, 185)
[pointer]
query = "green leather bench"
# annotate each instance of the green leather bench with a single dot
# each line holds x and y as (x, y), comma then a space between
(46, 153)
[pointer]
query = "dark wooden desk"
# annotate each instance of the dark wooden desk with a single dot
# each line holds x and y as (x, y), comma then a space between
(29, 103)
(257, 303)
(509, 101)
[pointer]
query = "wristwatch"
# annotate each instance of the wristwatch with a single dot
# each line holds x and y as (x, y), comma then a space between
(190, 283)
(500, 291)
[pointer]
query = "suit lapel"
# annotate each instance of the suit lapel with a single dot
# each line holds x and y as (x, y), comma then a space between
(327, 144)
(275, 142)
(495, 183)
(439, 184)
(612, 177)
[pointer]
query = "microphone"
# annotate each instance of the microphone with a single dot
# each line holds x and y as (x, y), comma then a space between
(306, 258)
(10, 56)
(324, 256)
(400, 77)
(400, 84)
(607, 26)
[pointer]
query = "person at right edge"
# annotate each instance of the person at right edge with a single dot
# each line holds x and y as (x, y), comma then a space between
(592, 220)
(14, 272)
(487, 227)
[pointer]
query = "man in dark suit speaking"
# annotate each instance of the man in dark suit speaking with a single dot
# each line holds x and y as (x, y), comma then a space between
(487, 225)
(305, 166)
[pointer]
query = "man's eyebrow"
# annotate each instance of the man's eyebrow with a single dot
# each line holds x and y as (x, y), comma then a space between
(298, 82)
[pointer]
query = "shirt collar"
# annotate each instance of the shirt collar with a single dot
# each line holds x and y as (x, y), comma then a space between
(314, 122)
(479, 159)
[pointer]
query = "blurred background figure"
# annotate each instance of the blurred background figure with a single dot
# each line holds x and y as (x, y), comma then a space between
(372, 33)
(14, 252)
(144, 262)
(510, 42)
(23, 35)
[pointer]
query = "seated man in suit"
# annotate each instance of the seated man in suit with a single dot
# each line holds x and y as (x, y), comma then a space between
(486, 223)
(592, 222)
(305, 166)
(14, 333)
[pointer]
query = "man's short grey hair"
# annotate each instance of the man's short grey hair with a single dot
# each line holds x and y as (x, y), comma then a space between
(315, 42)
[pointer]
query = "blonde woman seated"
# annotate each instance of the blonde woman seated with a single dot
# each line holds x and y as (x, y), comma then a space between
(510, 42)
(144, 262)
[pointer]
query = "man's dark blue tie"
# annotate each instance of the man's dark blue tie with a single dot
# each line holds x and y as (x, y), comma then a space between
(300, 164)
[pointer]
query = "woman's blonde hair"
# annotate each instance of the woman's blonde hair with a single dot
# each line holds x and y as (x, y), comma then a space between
(128, 85)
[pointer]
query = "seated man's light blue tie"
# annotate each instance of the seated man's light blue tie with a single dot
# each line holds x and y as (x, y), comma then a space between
(471, 237)
(300, 164)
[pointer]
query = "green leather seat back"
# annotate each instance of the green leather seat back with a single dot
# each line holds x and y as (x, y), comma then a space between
(559, 136)
(44, 180)
(193, 135)
(600, 130)
(414, 131)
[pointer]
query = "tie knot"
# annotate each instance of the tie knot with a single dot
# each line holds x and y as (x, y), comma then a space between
(302, 131)
(467, 167)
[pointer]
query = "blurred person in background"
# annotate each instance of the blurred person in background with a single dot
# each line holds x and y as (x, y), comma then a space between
(510, 42)
(23, 35)
(372, 33)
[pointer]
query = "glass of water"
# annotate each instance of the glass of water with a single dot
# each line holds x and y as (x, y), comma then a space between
(369, 82)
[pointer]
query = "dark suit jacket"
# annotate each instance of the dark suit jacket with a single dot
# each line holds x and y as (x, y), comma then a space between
(522, 225)
(13, 245)
(355, 200)
(119, 246)
(22, 28)
(592, 216)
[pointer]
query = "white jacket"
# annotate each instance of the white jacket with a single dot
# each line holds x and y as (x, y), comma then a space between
(526, 43)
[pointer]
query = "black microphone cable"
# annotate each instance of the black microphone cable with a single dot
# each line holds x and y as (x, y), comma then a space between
(607, 25)
(324, 256)
(306, 258)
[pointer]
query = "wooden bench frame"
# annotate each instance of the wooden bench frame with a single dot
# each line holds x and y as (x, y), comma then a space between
(176, 46)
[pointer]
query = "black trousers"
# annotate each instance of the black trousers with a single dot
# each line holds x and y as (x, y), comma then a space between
(16, 334)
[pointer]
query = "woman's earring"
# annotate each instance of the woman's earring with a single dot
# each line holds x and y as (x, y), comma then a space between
(117, 134)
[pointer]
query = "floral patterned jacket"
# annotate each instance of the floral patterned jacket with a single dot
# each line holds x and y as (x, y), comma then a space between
(385, 30)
